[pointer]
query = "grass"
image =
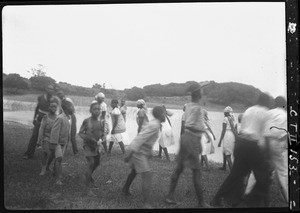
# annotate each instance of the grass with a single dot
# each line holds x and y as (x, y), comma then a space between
(25, 189)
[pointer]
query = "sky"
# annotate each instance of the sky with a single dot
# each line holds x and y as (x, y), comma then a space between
(127, 45)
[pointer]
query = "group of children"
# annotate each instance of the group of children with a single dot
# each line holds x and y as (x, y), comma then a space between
(54, 136)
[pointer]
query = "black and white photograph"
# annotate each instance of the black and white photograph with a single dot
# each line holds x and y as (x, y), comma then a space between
(178, 105)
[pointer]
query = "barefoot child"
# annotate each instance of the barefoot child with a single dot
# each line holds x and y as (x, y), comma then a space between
(118, 127)
(140, 152)
(60, 137)
(44, 134)
(91, 130)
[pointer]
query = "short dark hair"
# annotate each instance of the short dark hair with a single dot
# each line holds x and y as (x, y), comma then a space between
(93, 104)
(280, 102)
(158, 111)
(114, 101)
(264, 100)
(66, 105)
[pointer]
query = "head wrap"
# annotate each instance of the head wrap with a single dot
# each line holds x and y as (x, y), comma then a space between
(228, 109)
(100, 95)
(141, 102)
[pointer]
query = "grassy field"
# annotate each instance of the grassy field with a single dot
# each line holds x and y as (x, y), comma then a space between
(25, 189)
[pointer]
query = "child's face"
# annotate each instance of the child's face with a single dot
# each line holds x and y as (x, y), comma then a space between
(114, 105)
(53, 107)
(70, 109)
(95, 111)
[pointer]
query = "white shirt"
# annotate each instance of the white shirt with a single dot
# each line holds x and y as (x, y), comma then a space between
(278, 118)
(253, 123)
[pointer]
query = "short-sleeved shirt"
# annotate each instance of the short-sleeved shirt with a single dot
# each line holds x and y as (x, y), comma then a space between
(253, 123)
(123, 110)
(142, 114)
(144, 141)
(116, 113)
(194, 117)
(276, 118)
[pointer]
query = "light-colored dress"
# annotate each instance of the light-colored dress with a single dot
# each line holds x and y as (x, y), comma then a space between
(229, 138)
(120, 129)
(166, 138)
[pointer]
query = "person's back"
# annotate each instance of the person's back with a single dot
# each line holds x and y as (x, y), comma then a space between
(253, 122)
(194, 118)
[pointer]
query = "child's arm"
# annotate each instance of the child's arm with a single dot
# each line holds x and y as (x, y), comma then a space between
(209, 129)
(41, 131)
(222, 134)
(115, 123)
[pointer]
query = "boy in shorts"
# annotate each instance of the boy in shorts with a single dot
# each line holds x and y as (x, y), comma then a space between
(140, 152)
(190, 146)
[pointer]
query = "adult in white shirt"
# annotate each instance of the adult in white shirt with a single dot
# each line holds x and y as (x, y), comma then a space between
(276, 143)
(250, 155)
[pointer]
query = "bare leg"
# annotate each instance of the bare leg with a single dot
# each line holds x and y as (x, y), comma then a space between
(174, 180)
(44, 162)
(128, 182)
(58, 170)
(104, 146)
(159, 152)
(146, 187)
(110, 147)
(121, 144)
(228, 159)
(166, 153)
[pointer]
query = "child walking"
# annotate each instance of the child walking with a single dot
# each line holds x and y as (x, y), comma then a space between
(190, 147)
(91, 131)
(140, 152)
(118, 127)
(60, 137)
(45, 132)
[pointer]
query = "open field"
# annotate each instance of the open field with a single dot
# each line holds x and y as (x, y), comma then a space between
(25, 189)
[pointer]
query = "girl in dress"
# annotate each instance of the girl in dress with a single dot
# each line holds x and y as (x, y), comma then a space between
(228, 136)
(141, 118)
(207, 141)
(118, 127)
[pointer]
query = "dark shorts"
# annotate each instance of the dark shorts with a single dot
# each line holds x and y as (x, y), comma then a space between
(190, 148)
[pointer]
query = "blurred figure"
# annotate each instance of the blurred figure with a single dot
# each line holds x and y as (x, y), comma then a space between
(118, 127)
(42, 108)
(276, 137)
(141, 118)
(275, 133)
(183, 120)
(238, 125)
(228, 137)
(207, 142)
(123, 109)
(100, 97)
(190, 147)
(167, 138)
(250, 155)
(140, 152)
(63, 99)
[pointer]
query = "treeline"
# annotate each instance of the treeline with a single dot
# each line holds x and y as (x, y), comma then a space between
(215, 93)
